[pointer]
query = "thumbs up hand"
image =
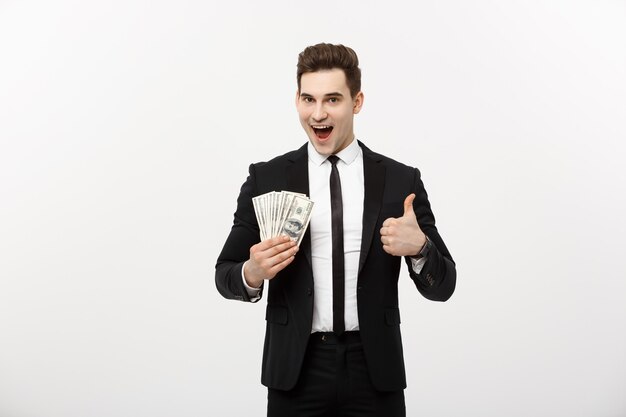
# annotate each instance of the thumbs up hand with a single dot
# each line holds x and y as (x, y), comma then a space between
(402, 236)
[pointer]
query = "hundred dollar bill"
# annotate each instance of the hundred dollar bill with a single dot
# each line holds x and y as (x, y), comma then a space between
(259, 210)
(271, 213)
(297, 218)
(287, 199)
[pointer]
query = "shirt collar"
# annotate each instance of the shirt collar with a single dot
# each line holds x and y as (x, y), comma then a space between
(347, 155)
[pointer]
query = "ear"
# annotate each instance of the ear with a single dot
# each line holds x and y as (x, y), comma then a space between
(297, 97)
(357, 102)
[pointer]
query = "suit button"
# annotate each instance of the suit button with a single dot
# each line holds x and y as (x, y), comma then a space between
(309, 291)
(359, 288)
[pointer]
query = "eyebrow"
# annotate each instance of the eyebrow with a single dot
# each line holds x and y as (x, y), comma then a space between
(333, 94)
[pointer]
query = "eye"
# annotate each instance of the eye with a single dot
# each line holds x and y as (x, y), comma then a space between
(333, 100)
(307, 99)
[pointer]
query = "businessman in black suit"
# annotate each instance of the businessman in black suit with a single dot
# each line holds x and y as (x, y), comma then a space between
(332, 341)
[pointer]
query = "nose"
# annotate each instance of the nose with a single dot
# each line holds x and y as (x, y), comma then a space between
(319, 113)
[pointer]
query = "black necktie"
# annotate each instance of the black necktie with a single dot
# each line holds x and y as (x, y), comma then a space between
(336, 206)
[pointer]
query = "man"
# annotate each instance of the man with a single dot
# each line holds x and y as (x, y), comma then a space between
(292, 227)
(332, 342)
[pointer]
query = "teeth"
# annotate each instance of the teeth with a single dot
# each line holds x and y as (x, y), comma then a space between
(320, 127)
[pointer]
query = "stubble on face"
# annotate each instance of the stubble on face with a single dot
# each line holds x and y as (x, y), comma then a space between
(326, 110)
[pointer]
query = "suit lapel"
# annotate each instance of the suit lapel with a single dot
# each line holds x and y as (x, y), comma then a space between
(374, 177)
(298, 181)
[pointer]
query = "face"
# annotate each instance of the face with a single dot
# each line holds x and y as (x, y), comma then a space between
(327, 110)
(291, 226)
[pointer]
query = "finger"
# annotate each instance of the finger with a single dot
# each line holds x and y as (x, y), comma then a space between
(280, 266)
(283, 263)
(408, 205)
(390, 250)
(278, 240)
(389, 222)
(267, 261)
(386, 241)
(265, 256)
(272, 242)
(283, 251)
(280, 248)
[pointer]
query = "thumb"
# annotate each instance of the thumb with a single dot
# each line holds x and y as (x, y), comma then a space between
(408, 205)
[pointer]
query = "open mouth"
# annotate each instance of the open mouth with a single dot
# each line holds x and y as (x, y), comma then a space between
(322, 131)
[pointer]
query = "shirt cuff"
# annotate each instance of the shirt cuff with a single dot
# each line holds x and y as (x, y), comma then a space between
(253, 293)
(417, 264)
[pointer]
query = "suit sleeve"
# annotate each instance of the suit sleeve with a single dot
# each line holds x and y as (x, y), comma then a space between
(243, 234)
(437, 279)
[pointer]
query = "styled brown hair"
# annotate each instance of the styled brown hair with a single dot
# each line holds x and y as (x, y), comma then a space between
(326, 56)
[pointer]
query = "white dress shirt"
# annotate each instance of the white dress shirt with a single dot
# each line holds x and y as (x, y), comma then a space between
(350, 167)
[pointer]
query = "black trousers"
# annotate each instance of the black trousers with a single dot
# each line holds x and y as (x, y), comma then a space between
(334, 382)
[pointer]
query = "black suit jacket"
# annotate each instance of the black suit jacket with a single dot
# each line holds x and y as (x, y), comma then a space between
(290, 294)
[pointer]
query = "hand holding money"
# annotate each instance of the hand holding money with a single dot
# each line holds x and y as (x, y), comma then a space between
(283, 218)
(268, 258)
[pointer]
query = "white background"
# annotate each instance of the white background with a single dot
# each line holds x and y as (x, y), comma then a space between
(126, 129)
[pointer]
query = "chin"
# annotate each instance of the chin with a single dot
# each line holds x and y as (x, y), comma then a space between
(322, 148)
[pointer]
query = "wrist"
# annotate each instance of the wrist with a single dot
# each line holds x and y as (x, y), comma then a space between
(423, 252)
(254, 284)
(251, 281)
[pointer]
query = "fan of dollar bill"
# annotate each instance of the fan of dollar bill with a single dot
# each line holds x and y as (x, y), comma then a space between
(282, 213)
